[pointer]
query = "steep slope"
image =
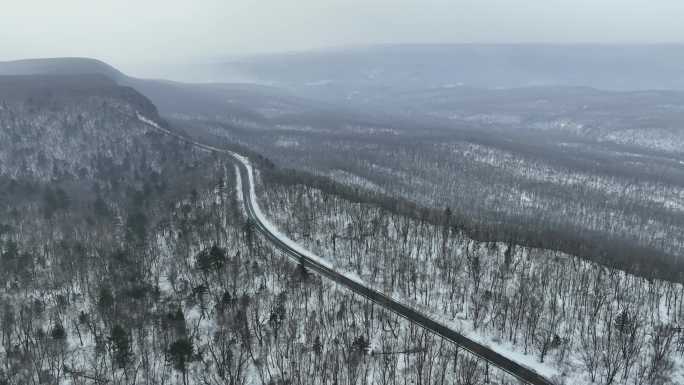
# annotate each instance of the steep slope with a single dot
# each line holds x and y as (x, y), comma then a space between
(71, 126)
(172, 97)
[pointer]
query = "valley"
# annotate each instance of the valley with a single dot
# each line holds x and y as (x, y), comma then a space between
(315, 227)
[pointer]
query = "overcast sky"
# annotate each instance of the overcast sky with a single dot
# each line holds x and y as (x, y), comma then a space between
(136, 35)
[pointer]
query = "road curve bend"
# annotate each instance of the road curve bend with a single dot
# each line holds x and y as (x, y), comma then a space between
(298, 254)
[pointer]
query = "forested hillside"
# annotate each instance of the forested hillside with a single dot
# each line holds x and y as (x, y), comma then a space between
(550, 178)
(580, 321)
(126, 256)
(321, 192)
(589, 172)
(126, 259)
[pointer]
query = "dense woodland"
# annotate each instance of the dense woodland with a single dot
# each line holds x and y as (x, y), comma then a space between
(126, 259)
(610, 251)
(617, 204)
(581, 320)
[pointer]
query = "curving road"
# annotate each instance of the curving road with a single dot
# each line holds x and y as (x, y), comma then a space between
(515, 369)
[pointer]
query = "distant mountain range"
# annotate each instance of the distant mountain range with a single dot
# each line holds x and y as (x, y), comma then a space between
(357, 76)
(611, 67)
(428, 88)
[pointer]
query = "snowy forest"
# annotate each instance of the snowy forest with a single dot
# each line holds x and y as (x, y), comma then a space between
(129, 255)
(134, 263)
(582, 175)
(578, 321)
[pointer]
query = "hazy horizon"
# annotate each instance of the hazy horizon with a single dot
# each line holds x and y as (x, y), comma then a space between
(155, 34)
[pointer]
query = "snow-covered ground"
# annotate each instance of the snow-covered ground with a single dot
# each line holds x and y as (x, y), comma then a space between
(267, 223)
(444, 288)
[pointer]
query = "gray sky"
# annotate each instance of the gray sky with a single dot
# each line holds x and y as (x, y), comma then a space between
(138, 35)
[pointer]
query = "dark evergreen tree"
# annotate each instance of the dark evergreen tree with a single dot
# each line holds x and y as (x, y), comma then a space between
(121, 346)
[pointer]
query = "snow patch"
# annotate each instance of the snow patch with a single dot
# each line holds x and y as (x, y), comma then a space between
(286, 143)
(349, 178)
(238, 184)
(148, 121)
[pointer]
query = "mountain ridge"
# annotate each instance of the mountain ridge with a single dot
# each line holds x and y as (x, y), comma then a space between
(60, 66)
(605, 66)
